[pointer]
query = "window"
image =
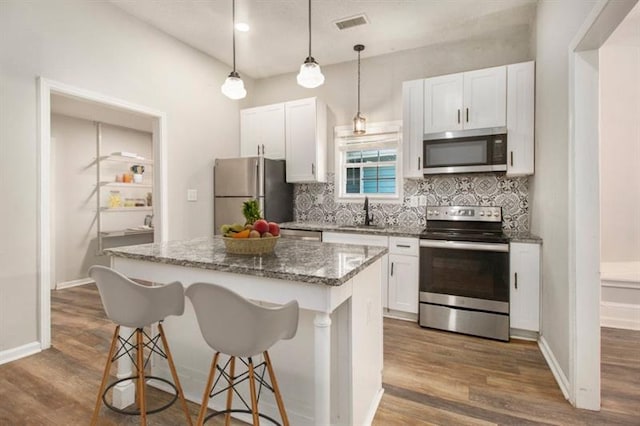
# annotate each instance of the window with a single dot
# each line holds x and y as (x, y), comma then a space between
(368, 164)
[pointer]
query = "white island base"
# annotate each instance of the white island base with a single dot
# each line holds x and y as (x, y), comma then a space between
(330, 373)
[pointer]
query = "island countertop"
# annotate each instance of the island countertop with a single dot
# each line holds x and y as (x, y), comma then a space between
(293, 260)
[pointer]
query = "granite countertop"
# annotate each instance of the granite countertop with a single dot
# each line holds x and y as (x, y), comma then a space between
(394, 231)
(292, 260)
(399, 231)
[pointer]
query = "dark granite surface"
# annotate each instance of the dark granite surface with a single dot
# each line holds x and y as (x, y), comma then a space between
(394, 231)
(292, 260)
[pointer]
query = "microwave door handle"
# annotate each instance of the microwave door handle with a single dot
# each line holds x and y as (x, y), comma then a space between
(461, 245)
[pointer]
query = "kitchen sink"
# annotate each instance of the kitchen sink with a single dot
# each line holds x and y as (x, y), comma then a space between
(359, 227)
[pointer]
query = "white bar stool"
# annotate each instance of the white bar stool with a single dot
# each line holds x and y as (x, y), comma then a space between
(129, 304)
(235, 326)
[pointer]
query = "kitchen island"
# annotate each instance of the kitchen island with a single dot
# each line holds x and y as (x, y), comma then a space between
(331, 372)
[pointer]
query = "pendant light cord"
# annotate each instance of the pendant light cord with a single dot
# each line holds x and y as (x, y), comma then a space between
(309, 28)
(358, 82)
(233, 28)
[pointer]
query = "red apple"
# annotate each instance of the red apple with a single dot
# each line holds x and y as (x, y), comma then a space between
(274, 229)
(261, 226)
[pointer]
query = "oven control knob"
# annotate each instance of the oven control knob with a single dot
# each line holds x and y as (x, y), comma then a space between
(436, 213)
(496, 214)
(481, 213)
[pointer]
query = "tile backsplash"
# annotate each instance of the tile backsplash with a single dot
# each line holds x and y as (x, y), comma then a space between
(316, 202)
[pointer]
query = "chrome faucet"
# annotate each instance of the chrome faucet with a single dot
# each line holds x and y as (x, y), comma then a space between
(368, 219)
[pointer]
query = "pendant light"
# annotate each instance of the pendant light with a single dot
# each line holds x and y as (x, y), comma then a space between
(359, 121)
(310, 75)
(233, 87)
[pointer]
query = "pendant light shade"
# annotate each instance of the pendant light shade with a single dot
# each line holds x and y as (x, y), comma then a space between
(359, 121)
(310, 75)
(233, 87)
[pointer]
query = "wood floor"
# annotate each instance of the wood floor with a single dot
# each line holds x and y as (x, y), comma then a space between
(430, 377)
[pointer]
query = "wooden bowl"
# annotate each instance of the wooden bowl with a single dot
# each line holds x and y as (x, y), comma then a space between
(250, 246)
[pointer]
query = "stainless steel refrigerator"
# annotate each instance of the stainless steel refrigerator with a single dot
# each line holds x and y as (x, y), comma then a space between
(236, 180)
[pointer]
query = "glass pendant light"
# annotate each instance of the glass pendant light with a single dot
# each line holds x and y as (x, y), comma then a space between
(310, 75)
(233, 87)
(359, 121)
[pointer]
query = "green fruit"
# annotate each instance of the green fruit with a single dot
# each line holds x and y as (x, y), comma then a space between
(236, 227)
(224, 229)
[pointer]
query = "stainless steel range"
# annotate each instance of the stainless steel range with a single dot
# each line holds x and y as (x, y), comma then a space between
(464, 271)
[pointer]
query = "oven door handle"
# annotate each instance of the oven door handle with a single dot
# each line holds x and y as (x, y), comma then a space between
(461, 245)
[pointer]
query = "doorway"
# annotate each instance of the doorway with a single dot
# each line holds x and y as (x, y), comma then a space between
(106, 108)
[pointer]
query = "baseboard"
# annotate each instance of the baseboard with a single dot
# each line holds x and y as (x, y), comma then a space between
(404, 316)
(518, 333)
(553, 364)
(73, 283)
(374, 407)
(620, 315)
(19, 352)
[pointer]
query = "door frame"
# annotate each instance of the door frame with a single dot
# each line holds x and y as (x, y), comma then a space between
(46, 88)
(584, 200)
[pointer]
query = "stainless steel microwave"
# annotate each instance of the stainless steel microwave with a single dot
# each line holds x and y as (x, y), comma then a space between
(465, 151)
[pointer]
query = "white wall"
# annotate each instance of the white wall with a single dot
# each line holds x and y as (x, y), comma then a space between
(620, 151)
(382, 77)
(96, 46)
(556, 24)
(73, 207)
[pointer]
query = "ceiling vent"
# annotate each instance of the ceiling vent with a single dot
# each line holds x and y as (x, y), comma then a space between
(352, 21)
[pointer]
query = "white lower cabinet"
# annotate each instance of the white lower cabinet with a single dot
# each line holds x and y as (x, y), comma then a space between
(400, 270)
(524, 266)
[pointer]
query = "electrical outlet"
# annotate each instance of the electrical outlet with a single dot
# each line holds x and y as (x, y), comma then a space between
(423, 200)
(192, 195)
(413, 201)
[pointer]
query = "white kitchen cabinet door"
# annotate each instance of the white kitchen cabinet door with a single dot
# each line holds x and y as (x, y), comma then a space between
(485, 98)
(412, 127)
(371, 240)
(524, 266)
(520, 118)
(403, 283)
(306, 140)
(443, 103)
(262, 131)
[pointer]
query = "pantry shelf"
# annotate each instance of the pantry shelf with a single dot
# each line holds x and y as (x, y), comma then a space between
(125, 209)
(126, 185)
(128, 160)
(125, 232)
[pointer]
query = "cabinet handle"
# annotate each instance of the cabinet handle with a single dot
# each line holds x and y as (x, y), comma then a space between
(467, 115)
(458, 115)
(418, 163)
(403, 245)
(262, 149)
(391, 268)
(511, 160)
(258, 149)
(516, 280)
(313, 169)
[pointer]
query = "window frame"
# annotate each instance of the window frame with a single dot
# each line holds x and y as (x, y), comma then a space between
(379, 136)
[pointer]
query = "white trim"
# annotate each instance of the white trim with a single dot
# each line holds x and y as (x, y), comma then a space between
(558, 374)
(73, 283)
(19, 352)
(45, 88)
(584, 228)
(620, 315)
(374, 407)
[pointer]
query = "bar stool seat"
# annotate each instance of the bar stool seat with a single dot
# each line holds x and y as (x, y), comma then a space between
(130, 304)
(239, 328)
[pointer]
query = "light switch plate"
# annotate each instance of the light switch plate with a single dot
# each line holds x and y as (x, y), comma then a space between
(192, 195)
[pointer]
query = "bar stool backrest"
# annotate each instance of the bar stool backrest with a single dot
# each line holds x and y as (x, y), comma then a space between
(235, 326)
(134, 305)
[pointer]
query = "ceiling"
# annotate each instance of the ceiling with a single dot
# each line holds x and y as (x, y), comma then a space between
(278, 40)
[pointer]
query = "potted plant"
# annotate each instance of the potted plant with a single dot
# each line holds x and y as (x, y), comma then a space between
(137, 170)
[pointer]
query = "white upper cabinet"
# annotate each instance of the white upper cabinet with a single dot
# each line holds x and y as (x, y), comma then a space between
(520, 118)
(306, 140)
(470, 100)
(443, 103)
(262, 131)
(485, 93)
(412, 127)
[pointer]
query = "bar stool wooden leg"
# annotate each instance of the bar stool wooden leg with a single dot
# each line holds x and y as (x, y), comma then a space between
(207, 390)
(252, 388)
(141, 383)
(276, 389)
(105, 376)
(174, 374)
(232, 368)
